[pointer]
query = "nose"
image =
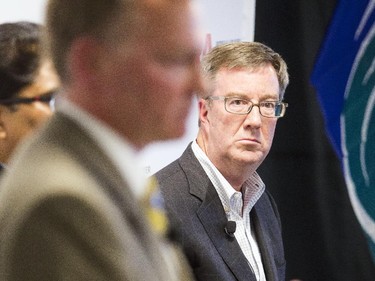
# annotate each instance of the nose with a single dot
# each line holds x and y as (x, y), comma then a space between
(253, 118)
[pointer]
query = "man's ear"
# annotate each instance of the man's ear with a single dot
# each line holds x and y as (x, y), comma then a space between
(83, 59)
(203, 111)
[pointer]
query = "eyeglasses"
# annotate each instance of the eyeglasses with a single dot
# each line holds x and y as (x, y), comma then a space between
(48, 97)
(235, 105)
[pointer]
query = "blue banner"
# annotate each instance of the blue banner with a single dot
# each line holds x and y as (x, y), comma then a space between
(344, 77)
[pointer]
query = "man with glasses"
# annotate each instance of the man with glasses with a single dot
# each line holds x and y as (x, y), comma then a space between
(27, 84)
(226, 221)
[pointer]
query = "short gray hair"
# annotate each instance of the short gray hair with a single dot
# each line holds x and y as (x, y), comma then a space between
(245, 55)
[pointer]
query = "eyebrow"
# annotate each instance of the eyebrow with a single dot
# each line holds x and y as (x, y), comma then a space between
(245, 97)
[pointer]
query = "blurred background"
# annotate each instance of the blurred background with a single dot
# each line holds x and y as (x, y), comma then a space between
(323, 237)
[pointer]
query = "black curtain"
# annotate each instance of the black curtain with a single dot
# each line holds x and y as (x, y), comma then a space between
(322, 237)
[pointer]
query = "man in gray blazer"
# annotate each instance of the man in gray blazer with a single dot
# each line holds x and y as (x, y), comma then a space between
(226, 221)
(71, 203)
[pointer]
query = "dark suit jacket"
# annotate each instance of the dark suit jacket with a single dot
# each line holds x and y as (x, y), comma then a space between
(198, 219)
(67, 214)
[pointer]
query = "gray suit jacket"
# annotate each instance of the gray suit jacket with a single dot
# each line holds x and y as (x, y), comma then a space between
(66, 214)
(198, 219)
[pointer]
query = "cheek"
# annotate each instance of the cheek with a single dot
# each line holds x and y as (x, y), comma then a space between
(41, 110)
(17, 128)
(268, 133)
(167, 86)
(168, 81)
(33, 118)
(155, 87)
(223, 128)
(39, 114)
(231, 125)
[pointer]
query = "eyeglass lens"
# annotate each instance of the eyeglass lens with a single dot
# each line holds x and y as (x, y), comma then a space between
(266, 108)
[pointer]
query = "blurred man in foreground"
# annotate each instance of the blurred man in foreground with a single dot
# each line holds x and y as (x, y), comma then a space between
(127, 68)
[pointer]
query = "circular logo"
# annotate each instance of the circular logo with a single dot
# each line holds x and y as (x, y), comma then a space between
(358, 136)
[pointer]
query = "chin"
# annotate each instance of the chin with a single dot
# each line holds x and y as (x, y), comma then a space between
(250, 157)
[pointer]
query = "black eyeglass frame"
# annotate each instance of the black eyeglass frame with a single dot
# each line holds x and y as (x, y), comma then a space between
(284, 105)
(46, 97)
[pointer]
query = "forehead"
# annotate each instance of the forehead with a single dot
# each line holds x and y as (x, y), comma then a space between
(159, 26)
(45, 81)
(172, 23)
(261, 81)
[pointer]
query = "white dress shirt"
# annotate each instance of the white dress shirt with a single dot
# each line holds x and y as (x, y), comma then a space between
(237, 206)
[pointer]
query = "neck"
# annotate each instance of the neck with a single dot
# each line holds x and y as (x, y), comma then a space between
(235, 173)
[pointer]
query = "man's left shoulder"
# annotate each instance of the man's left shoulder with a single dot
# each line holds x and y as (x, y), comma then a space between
(168, 171)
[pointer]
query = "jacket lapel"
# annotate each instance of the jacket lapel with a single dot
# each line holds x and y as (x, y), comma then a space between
(213, 217)
(85, 150)
(264, 240)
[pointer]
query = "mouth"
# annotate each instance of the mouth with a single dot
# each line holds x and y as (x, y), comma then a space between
(249, 141)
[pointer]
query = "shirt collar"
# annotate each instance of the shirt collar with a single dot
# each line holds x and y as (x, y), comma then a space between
(252, 188)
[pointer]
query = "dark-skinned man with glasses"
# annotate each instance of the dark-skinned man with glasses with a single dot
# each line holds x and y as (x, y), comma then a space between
(219, 209)
(27, 85)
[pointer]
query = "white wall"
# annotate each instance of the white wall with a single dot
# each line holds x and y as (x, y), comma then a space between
(18, 10)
